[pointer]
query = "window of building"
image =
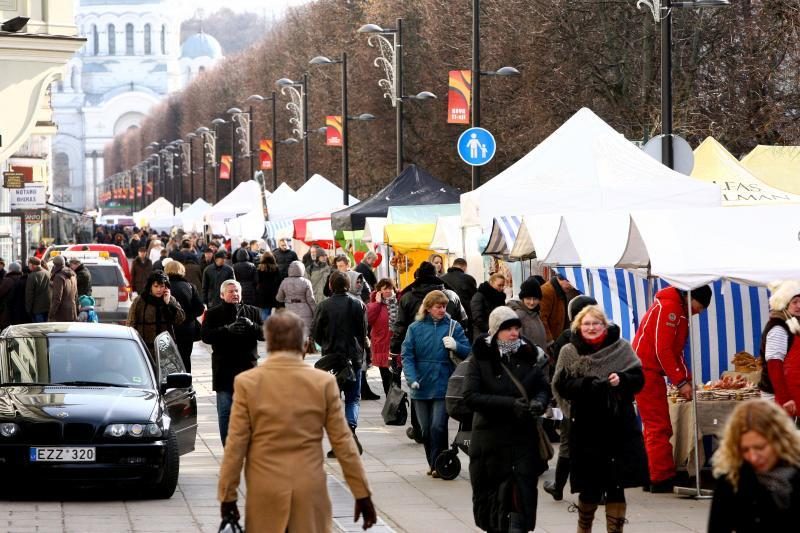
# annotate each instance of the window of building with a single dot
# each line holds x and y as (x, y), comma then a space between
(163, 40)
(95, 40)
(148, 44)
(129, 39)
(112, 40)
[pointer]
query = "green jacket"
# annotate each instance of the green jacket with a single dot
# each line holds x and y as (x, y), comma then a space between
(37, 292)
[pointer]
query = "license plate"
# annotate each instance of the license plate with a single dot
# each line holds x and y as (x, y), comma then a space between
(63, 455)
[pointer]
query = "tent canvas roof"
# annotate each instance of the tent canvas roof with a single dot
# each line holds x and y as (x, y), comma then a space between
(414, 186)
(373, 229)
(160, 207)
(584, 164)
(279, 197)
(419, 214)
(713, 163)
(192, 217)
(778, 166)
(317, 195)
(246, 198)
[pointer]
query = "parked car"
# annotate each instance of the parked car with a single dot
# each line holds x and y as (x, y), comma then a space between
(112, 250)
(87, 404)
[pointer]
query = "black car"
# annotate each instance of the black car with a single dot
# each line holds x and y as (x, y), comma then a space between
(87, 403)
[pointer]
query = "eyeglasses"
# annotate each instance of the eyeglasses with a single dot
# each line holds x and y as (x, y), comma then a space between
(590, 325)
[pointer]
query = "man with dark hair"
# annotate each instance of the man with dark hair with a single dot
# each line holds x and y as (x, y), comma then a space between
(465, 286)
(659, 343)
(213, 276)
(284, 257)
(553, 307)
(232, 329)
(37, 291)
(141, 267)
(82, 276)
(340, 327)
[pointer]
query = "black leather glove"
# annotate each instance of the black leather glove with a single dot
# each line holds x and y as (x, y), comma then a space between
(237, 328)
(520, 407)
(229, 509)
(365, 508)
(536, 408)
(246, 321)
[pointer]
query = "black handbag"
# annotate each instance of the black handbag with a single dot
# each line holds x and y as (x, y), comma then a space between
(395, 409)
(230, 524)
(545, 449)
(345, 376)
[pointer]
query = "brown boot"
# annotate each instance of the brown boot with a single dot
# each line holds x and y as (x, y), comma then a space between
(615, 517)
(586, 516)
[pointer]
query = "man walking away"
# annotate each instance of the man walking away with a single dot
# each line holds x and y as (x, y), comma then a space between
(37, 291)
(233, 330)
(63, 294)
(141, 267)
(82, 276)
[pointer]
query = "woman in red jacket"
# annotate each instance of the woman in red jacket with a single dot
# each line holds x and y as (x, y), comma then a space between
(780, 374)
(381, 315)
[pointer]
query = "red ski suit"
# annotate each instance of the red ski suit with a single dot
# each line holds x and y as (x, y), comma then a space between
(659, 343)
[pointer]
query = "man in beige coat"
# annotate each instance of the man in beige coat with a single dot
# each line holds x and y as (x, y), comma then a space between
(278, 438)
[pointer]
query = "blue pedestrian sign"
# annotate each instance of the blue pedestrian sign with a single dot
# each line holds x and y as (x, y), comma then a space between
(476, 146)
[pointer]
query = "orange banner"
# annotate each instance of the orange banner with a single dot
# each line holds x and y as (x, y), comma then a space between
(149, 188)
(225, 164)
(459, 97)
(333, 136)
(265, 153)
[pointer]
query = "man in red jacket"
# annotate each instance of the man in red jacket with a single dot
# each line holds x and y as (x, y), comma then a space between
(659, 343)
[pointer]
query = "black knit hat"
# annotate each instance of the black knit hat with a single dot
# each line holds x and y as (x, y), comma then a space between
(702, 295)
(425, 269)
(577, 304)
(220, 254)
(530, 289)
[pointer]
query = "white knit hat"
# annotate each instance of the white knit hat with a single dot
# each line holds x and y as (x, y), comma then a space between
(499, 317)
(782, 293)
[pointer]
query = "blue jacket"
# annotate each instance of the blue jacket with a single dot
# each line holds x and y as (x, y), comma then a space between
(425, 359)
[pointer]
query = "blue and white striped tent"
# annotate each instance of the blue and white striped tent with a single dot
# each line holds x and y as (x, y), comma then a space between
(279, 229)
(732, 323)
(503, 234)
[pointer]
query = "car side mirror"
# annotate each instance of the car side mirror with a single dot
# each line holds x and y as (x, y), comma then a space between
(178, 380)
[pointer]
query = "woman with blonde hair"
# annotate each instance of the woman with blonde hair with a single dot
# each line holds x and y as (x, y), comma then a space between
(427, 366)
(598, 373)
(438, 262)
(758, 472)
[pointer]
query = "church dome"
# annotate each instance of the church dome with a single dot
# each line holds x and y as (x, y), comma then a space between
(201, 45)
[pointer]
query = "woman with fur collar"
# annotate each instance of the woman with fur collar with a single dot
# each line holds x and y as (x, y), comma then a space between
(598, 373)
(780, 380)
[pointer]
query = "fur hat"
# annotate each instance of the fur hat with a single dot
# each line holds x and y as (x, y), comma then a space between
(530, 289)
(15, 267)
(577, 304)
(501, 318)
(425, 270)
(782, 293)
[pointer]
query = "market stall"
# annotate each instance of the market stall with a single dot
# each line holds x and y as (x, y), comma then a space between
(160, 207)
(411, 246)
(280, 197)
(246, 198)
(317, 195)
(191, 218)
(777, 166)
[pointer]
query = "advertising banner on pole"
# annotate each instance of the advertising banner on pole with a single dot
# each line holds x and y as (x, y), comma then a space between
(459, 97)
(225, 164)
(32, 196)
(333, 136)
(265, 153)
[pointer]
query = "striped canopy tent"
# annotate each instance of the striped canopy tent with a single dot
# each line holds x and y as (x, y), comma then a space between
(314, 229)
(503, 234)
(777, 166)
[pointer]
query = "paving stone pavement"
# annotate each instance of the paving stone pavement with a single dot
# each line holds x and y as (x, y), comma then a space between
(406, 498)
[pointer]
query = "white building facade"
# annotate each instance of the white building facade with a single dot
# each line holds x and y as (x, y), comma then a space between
(132, 59)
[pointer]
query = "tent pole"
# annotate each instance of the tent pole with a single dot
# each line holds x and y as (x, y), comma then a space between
(694, 492)
(590, 280)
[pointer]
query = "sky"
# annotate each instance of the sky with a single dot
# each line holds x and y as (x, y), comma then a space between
(269, 8)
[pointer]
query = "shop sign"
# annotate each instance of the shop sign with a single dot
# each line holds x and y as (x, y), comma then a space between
(31, 197)
(13, 180)
(33, 218)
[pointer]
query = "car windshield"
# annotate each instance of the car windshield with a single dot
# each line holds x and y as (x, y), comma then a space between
(105, 275)
(75, 361)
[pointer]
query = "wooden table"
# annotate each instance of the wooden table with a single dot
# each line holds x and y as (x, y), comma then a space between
(711, 417)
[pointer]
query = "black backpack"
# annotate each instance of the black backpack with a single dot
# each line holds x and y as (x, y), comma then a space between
(454, 398)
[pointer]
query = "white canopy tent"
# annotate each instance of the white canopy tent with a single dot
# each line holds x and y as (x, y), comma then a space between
(584, 164)
(373, 229)
(447, 236)
(317, 195)
(191, 219)
(158, 208)
(277, 199)
(246, 198)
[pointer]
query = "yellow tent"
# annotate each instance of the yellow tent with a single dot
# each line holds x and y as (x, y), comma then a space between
(713, 163)
(413, 241)
(778, 166)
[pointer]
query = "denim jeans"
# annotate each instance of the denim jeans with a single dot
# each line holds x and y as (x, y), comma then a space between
(352, 399)
(265, 312)
(224, 404)
(39, 317)
(432, 418)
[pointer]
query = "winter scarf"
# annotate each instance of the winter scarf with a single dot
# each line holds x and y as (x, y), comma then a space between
(617, 356)
(778, 483)
(507, 347)
(391, 304)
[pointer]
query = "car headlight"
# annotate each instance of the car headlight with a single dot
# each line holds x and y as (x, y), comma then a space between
(132, 430)
(8, 429)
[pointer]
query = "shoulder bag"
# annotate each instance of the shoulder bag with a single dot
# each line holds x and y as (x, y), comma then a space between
(546, 451)
(454, 358)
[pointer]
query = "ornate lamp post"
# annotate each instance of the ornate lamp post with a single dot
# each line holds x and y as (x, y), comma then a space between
(158, 186)
(256, 98)
(299, 109)
(189, 163)
(391, 59)
(169, 173)
(215, 123)
(208, 138)
(662, 12)
(242, 125)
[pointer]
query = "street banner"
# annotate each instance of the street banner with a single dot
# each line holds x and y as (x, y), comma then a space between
(333, 136)
(459, 97)
(225, 164)
(32, 196)
(265, 153)
(149, 188)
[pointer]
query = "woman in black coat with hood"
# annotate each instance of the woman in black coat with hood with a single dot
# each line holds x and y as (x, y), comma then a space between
(245, 273)
(504, 456)
(599, 373)
(189, 299)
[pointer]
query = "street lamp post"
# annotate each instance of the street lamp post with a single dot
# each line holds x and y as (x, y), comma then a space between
(254, 153)
(191, 136)
(242, 124)
(391, 59)
(208, 139)
(216, 122)
(662, 12)
(169, 172)
(299, 109)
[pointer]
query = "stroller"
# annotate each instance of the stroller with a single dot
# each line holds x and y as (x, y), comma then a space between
(447, 464)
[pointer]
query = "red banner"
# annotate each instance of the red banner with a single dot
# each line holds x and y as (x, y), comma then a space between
(149, 188)
(225, 164)
(265, 153)
(459, 97)
(333, 136)
(131, 192)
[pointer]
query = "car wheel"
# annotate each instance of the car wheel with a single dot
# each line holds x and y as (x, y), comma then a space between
(165, 487)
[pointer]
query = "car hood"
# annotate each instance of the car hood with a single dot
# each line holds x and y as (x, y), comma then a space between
(78, 404)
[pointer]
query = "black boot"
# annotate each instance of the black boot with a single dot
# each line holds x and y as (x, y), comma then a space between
(366, 392)
(358, 444)
(556, 488)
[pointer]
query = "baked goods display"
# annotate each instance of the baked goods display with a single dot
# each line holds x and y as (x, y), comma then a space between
(744, 362)
(727, 388)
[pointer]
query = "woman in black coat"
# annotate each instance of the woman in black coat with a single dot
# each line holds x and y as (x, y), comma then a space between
(268, 281)
(504, 456)
(186, 294)
(245, 273)
(599, 373)
(758, 472)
